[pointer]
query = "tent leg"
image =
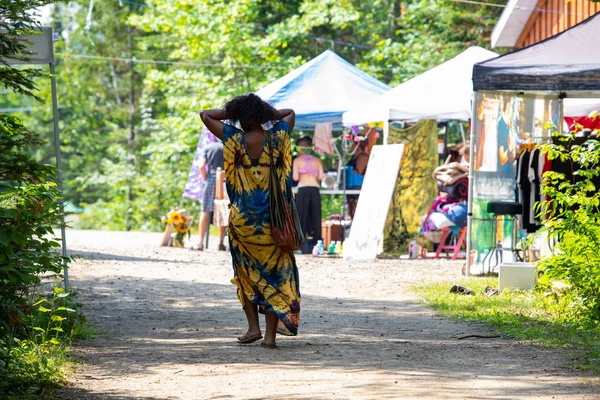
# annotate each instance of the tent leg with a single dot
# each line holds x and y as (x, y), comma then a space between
(561, 112)
(59, 179)
(343, 170)
(470, 192)
(386, 131)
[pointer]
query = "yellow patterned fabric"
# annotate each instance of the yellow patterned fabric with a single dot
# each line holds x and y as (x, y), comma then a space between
(264, 273)
(415, 187)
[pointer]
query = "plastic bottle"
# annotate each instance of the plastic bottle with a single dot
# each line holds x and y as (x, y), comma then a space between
(315, 250)
(321, 247)
(331, 248)
(413, 249)
(338, 248)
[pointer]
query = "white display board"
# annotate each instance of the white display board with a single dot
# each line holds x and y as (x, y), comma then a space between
(366, 235)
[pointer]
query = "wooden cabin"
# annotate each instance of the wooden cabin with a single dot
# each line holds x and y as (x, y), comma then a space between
(526, 22)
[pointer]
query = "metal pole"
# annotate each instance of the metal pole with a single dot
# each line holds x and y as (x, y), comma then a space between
(344, 199)
(59, 179)
(561, 112)
(386, 130)
(470, 192)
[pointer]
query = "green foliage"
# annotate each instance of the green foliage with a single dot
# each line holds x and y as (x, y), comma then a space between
(524, 315)
(573, 221)
(33, 356)
(33, 335)
(216, 50)
(28, 198)
(330, 205)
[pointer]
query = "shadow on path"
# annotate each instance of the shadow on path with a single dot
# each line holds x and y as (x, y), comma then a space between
(176, 325)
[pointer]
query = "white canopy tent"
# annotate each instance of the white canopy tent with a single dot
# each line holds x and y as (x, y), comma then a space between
(443, 92)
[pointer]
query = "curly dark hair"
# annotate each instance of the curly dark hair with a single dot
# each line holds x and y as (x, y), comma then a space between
(250, 111)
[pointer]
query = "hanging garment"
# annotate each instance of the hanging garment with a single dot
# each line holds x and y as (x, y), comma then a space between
(323, 138)
(194, 188)
(536, 185)
(546, 166)
(585, 122)
(524, 189)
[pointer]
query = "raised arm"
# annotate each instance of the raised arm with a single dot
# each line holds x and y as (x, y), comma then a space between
(288, 116)
(213, 120)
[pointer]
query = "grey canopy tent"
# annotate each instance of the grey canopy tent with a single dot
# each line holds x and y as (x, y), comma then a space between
(514, 95)
(569, 61)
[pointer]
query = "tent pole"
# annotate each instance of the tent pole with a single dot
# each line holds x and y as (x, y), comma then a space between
(561, 112)
(59, 178)
(386, 131)
(470, 192)
(343, 170)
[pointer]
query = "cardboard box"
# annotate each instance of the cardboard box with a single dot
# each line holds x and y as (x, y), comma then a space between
(517, 275)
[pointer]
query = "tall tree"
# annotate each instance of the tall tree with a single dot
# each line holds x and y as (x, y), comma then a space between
(99, 88)
(207, 52)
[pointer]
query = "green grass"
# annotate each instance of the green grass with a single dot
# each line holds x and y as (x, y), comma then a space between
(524, 315)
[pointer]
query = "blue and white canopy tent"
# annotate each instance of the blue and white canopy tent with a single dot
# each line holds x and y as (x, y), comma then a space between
(319, 91)
(322, 90)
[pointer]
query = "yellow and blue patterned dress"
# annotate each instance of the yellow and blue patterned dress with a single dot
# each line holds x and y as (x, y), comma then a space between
(263, 272)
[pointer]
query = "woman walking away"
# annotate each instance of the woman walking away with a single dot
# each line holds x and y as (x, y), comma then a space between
(266, 276)
(308, 171)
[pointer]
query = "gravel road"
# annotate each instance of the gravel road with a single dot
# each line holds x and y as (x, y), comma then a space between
(168, 318)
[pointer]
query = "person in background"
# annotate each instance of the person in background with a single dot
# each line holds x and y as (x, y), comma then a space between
(454, 153)
(358, 162)
(465, 153)
(360, 158)
(211, 157)
(265, 275)
(308, 171)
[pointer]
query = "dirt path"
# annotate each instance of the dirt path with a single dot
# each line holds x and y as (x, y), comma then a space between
(168, 319)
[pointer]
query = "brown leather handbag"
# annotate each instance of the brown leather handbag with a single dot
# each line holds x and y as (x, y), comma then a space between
(285, 224)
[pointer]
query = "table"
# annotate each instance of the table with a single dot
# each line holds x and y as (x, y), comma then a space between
(340, 191)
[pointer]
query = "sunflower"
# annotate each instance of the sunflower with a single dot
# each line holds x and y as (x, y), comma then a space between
(175, 217)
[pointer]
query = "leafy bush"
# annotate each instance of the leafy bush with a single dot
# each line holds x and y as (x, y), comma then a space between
(573, 221)
(34, 331)
(33, 356)
(330, 205)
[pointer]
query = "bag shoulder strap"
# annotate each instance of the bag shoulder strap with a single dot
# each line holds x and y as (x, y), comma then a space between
(271, 154)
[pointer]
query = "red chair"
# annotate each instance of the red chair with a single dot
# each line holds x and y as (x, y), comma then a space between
(456, 247)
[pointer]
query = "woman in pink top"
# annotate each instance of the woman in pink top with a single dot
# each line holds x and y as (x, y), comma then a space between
(308, 171)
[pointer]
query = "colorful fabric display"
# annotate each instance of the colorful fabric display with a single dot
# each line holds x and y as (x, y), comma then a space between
(194, 188)
(440, 220)
(457, 214)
